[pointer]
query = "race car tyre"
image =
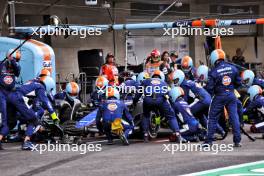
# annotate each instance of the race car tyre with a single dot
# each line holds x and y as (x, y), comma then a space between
(154, 125)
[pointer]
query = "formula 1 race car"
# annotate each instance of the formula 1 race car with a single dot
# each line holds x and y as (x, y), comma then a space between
(76, 126)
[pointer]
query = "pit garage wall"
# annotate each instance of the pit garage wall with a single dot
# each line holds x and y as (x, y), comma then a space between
(230, 44)
(66, 49)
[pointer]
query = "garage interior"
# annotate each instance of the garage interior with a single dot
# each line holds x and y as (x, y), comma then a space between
(139, 42)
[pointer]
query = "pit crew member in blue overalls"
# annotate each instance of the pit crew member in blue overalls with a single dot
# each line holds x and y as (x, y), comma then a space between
(111, 109)
(202, 78)
(190, 126)
(156, 98)
(204, 98)
(128, 87)
(9, 70)
(222, 81)
(39, 90)
(249, 79)
(188, 68)
(98, 95)
(256, 103)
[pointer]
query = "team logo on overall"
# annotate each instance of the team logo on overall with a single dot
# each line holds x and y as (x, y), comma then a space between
(226, 80)
(112, 106)
(155, 82)
(8, 80)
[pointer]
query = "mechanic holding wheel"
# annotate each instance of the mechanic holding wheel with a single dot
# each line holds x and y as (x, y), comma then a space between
(39, 89)
(156, 98)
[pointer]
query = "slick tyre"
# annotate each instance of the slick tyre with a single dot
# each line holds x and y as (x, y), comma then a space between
(65, 113)
(154, 127)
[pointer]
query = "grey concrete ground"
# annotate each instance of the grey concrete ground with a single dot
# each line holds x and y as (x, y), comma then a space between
(137, 159)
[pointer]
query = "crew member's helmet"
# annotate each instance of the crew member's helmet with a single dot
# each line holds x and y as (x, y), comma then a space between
(175, 93)
(247, 77)
(186, 63)
(112, 92)
(142, 76)
(72, 90)
(49, 83)
(159, 74)
(253, 91)
(178, 76)
(202, 73)
(155, 55)
(44, 72)
(101, 83)
(216, 55)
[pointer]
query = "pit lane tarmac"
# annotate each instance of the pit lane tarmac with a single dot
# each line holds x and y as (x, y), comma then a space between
(136, 159)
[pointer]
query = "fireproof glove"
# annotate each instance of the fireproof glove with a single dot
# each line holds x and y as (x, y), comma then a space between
(54, 117)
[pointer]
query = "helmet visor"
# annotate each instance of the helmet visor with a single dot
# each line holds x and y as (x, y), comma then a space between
(176, 81)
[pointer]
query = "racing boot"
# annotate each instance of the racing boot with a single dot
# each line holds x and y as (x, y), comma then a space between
(124, 139)
(110, 140)
(192, 138)
(1, 146)
(220, 135)
(27, 145)
(237, 145)
(15, 138)
(146, 138)
(176, 137)
(202, 134)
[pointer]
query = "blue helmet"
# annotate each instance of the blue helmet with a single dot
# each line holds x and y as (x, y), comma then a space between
(158, 73)
(178, 77)
(112, 92)
(247, 77)
(202, 73)
(142, 76)
(175, 93)
(216, 55)
(186, 63)
(49, 83)
(253, 91)
(72, 90)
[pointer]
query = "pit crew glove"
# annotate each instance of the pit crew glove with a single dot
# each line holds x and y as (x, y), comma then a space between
(54, 117)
